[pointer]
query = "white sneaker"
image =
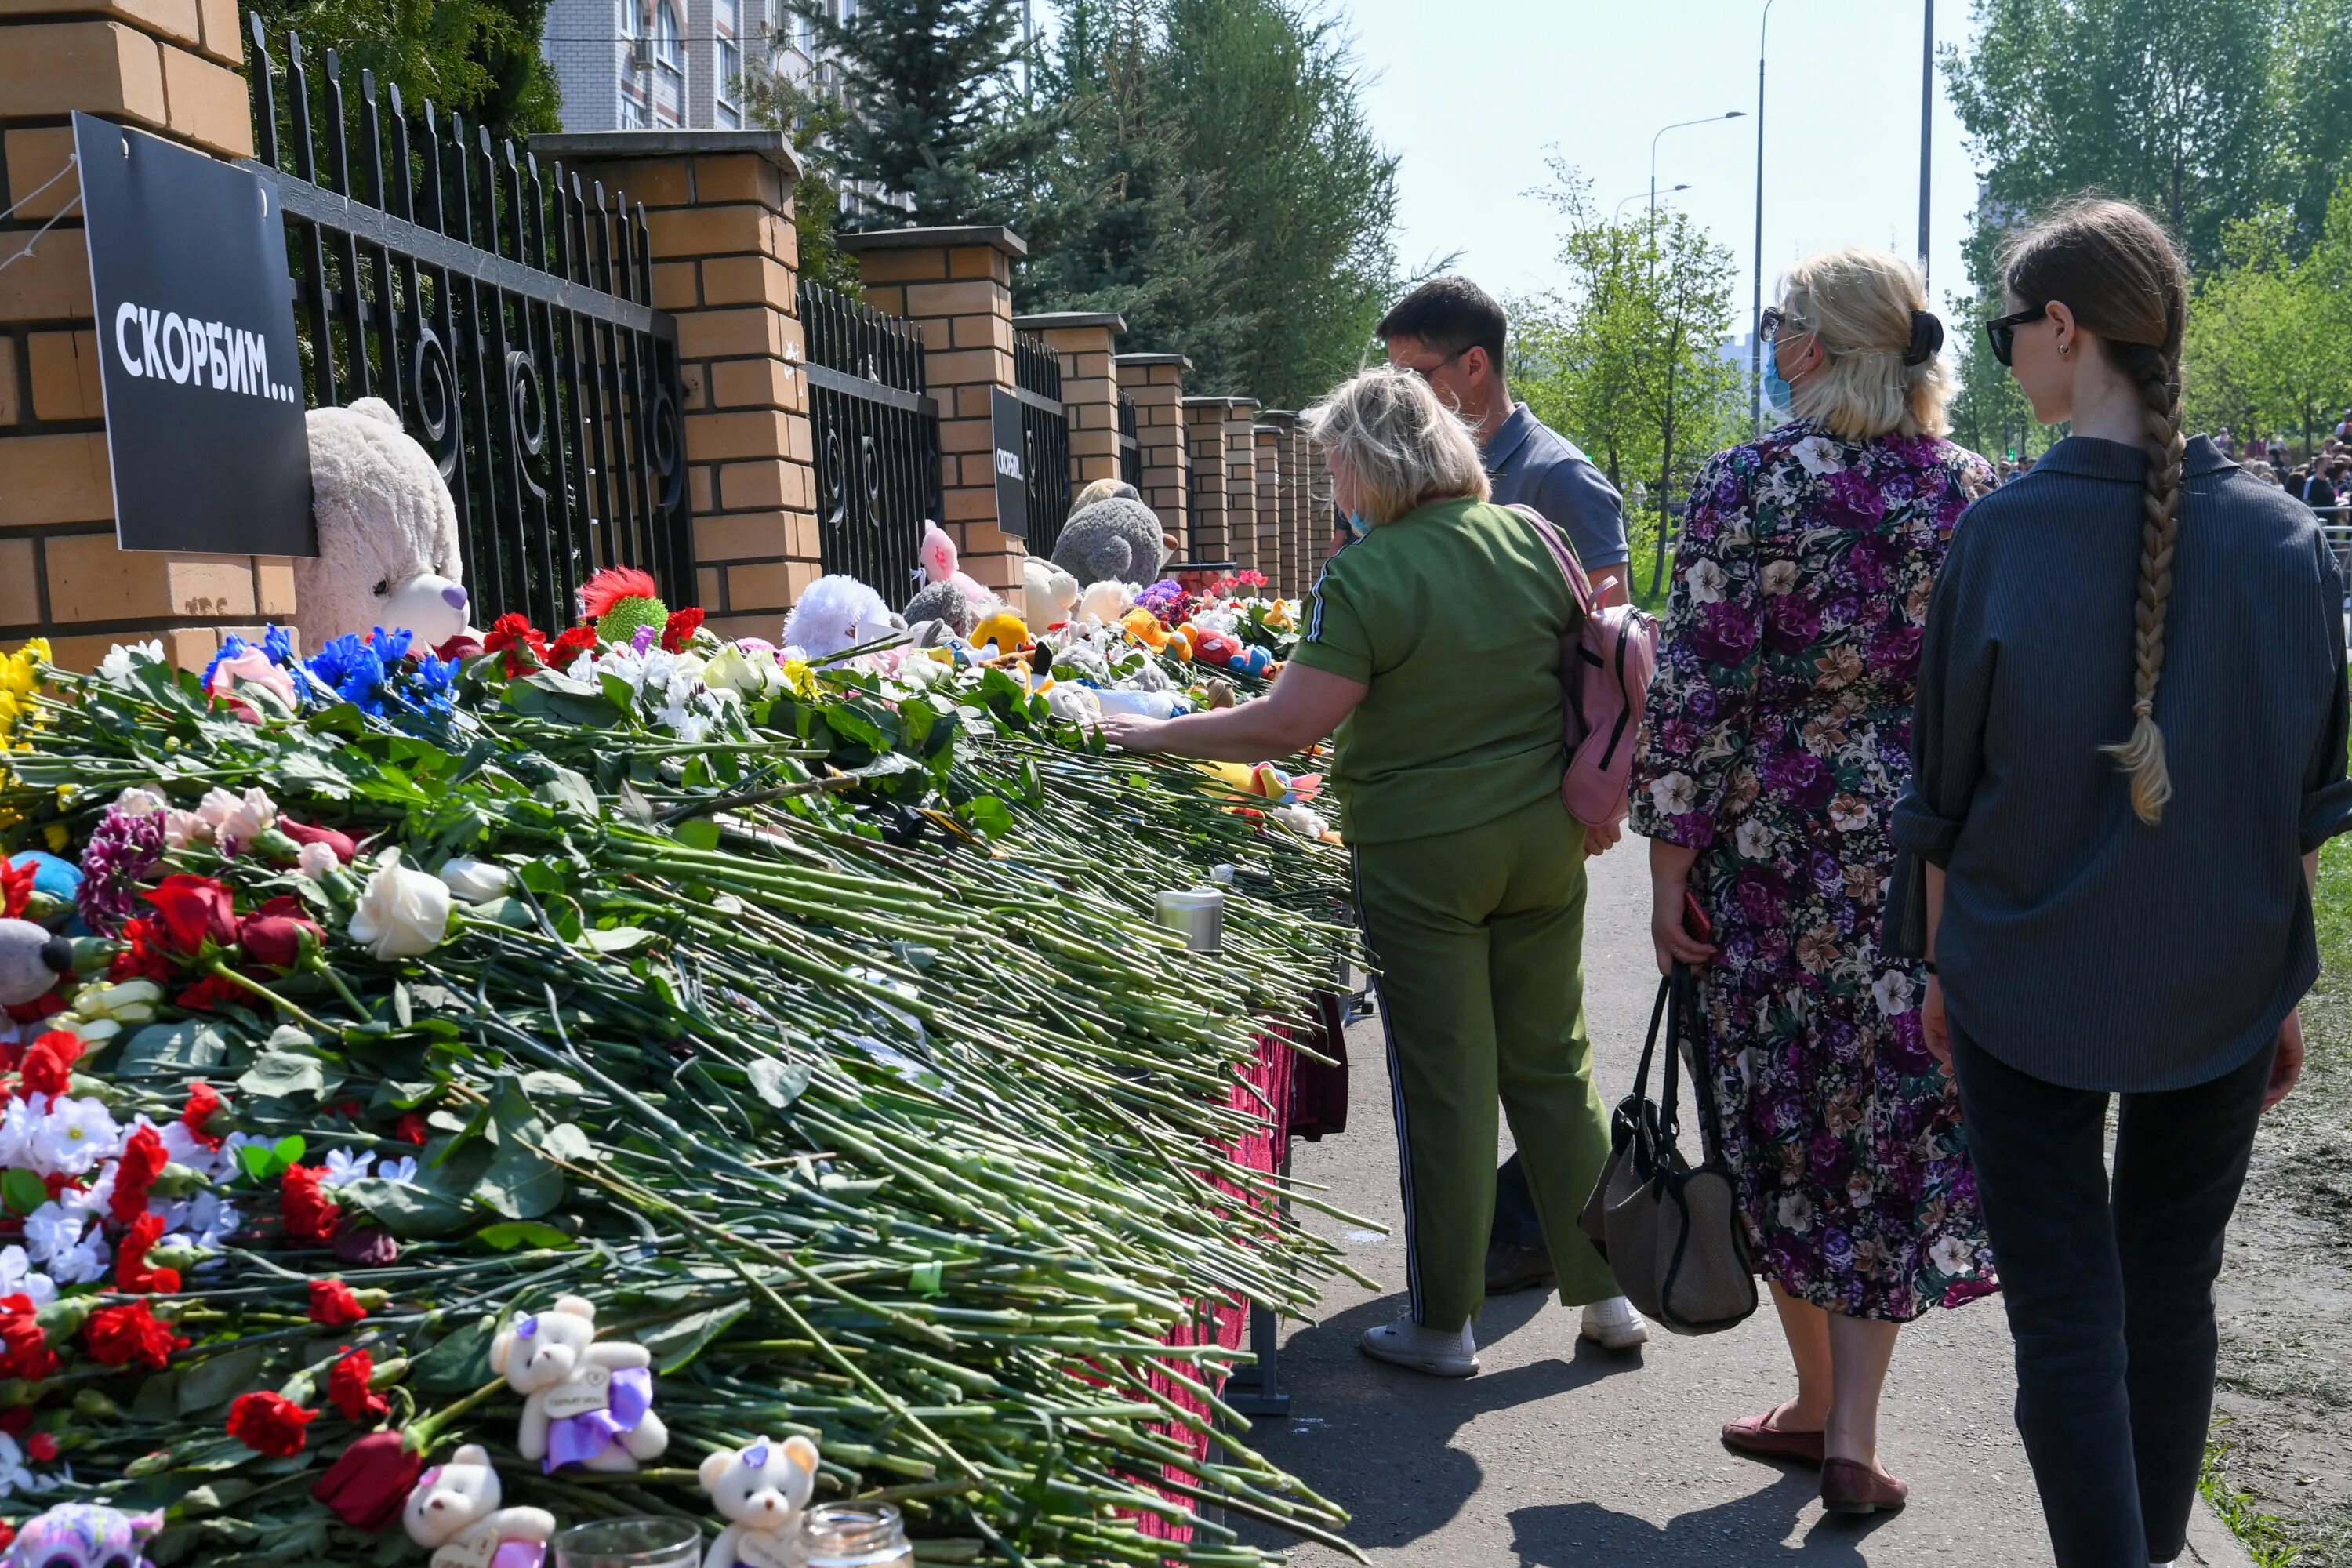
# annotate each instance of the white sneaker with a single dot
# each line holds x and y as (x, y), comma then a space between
(1433, 1350)
(1614, 1325)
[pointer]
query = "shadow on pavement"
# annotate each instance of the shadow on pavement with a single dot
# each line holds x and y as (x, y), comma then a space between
(1752, 1530)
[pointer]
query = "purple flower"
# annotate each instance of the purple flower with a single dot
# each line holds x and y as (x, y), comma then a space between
(642, 640)
(122, 851)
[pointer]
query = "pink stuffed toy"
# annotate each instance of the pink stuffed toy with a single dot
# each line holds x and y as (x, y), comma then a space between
(938, 554)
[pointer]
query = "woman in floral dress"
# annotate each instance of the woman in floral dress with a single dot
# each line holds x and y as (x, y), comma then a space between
(1777, 740)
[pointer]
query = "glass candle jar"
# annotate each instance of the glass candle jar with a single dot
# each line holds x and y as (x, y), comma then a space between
(854, 1535)
(631, 1544)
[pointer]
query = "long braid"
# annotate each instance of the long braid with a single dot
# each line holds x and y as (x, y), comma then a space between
(2142, 756)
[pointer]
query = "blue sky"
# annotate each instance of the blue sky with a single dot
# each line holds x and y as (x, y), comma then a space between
(1472, 93)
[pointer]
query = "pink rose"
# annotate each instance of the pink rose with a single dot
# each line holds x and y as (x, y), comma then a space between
(252, 666)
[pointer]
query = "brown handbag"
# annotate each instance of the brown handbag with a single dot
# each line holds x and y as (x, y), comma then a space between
(1671, 1231)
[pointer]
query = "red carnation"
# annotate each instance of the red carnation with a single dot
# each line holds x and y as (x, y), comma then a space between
(303, 1204)
(43, 1446)
(203, 1102)
(194, 908)
(347, 1387)
(132, 1273)
(269, 1424)
(141, 957)
(273, 936)
(524, 645)
(369, 1484)
(612, 584)
(16, 887)
(28, 1354)
(48, 1065)
(412, 1126)
(117, 1336)
(332, 1303)
(342, 844)
(680, 628)
(143, 1161)
(38, 1008)
(576, 641)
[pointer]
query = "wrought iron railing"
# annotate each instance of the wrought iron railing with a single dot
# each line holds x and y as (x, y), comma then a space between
(1046, 441)
(1131, 445)
(876, 432)
(505, 314)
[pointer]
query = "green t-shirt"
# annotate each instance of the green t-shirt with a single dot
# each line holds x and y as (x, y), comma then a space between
(1452, 614)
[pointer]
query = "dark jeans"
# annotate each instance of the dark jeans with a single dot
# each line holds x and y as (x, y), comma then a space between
(2110, 1289)
(1516, 1224)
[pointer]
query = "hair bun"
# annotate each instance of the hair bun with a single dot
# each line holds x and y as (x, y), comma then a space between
(1926, 338)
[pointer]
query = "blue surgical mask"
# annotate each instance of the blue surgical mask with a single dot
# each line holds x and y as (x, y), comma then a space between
(1777, 393)
(1358, 525)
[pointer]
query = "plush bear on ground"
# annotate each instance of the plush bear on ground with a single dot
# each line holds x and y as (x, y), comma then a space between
(388, 550)
(584, 1402)
(760, 1491)
(1114, 540)
(453, 1511)
(1050, 594)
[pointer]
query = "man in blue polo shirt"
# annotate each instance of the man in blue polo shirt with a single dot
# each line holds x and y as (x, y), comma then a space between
(1451, 333)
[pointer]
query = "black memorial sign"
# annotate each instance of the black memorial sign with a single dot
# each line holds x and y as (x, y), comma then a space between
(1012, 472)
(202, 376)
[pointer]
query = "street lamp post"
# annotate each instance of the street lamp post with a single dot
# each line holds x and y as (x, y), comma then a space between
(1755, 304)
(1620, 209)
(1666, 463)
(1678, 125)
(1927, 130)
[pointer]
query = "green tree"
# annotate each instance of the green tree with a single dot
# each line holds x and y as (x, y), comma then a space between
(478, 58)
(812, 120)
(1990, 414)
(2270, 337)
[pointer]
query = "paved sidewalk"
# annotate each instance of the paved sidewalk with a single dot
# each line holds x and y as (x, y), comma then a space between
(1559, 1455)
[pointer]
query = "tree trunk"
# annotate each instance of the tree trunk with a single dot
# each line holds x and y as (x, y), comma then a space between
(1665, 482)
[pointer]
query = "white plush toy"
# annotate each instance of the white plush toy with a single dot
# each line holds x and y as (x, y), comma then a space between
(1051, 593)
(454, 1510)
(836, 613)
(584, 1402)
(760, 1491)
(1106, 601)
(388, 553)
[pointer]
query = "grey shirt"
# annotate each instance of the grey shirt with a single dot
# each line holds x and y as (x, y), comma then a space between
(2078, 944)
(1533, 465)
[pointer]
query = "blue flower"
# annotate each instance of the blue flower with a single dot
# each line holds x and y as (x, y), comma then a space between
(431, 683)
(354, 669)
(279, 643)
(391, 647)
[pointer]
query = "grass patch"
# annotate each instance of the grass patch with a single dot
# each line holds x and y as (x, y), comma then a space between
(2264, 1537)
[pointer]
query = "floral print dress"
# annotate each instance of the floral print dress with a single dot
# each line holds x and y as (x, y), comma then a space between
(1776, 742)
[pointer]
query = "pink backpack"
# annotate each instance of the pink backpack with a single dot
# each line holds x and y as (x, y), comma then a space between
(1605, 671)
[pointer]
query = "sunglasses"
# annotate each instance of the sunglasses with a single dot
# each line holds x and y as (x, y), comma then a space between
(1775, 317)
(2003, 330)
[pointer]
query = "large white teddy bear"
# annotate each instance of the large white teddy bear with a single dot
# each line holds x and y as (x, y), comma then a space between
(388, 553)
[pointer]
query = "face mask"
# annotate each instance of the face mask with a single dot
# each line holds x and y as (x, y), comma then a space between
(1778, 393)
(1358, 526)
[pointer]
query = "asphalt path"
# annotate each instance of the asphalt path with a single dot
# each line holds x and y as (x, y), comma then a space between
(1559, 1455)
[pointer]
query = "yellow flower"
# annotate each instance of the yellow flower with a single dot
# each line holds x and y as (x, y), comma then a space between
(55, 837)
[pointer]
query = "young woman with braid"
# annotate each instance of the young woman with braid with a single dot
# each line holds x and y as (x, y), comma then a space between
(2128, 747)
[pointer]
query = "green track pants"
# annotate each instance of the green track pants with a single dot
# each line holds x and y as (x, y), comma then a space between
(1478, 936)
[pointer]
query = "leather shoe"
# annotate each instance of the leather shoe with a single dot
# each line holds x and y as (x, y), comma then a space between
(1850, 1486)
(1510, 1270)
(1757, 1435)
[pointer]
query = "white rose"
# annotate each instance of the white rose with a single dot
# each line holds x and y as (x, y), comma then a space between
(213, 809)
(315, 860)
(402, 912)
(248, 818)
(754, 675)
(141, 801)
(120, 661)
(474, 881)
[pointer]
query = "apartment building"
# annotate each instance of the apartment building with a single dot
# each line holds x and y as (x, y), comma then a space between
(664, 65)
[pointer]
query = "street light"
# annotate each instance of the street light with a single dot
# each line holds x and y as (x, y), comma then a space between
(1637, 196)
(1755, 304)
(1678, 125)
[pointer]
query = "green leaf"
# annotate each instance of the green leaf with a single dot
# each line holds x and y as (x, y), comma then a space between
(544, 694)
(277, 1074)
(509, 1234)
(698, 833)
(988, 815)
(220, 1380)
(620, 939)
(520, 1184)
(568, 790)
(542, 877)
(679, 1341)
(265, 1161)
(22, 1191)
(566, 1142)
(545, 1081)
(778, 1083)
(407, 1210)
(461, 1361)
(172, 1050)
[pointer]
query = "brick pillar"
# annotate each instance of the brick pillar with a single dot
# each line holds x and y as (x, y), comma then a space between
(1205, 430)
(1321, 519)
(1156, 381)
(1268, 441)
(169, 67)
(957, 284)
(1241, 482)
(718, 208)
(1090, 386)
(1310, 528)
(1289, 508)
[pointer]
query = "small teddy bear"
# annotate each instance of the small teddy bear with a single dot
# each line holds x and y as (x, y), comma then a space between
(584, 1402)
(388, 551)
(1049, 593)
(760, 1491)
(83, 1535)
(454, 1509)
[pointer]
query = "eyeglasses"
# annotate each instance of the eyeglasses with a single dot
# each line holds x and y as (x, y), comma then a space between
(1775, 317)
(2003, 330)
(1427, 371)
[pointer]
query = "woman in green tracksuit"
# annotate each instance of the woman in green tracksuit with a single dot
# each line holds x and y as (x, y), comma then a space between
(1433, 648)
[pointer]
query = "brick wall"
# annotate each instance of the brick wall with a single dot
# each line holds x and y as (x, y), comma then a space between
(1156, 381)
(1268, 442)
(1204, 429)
(583, 46)
(1241, 482)
(170, 67)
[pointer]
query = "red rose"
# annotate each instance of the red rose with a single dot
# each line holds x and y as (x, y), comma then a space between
(574, 642)
(16, 887)
(143, 1161)
(131, 1271)
(303, 833)
(413, 1126)
(681, 628)
(48, 1066)
(141, 958)
(332, 1303)
(211, 993)
(368, 1485)
(275, 940)
(117, 1336)
(194, 908)
(347, 1386)
(303, 1204)
(269, 1424)
(41, 1445)
(28, 1354)
(16, 1418)
(204, 1101)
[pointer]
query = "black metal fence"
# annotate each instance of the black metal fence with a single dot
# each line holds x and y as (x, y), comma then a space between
(876, 432)
(1044, 438)
(505, 314)
(1131, 445)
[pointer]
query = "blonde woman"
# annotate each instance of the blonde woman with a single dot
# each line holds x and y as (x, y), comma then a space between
(1433, 646)
(2130, 748)
(1776, 742)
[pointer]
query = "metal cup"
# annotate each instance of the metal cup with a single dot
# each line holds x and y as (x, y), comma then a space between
(1199, 913)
